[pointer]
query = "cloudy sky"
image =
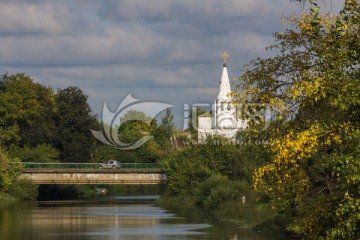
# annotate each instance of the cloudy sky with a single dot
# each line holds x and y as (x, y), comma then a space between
(157, 50)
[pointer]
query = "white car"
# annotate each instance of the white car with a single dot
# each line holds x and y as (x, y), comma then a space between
(110, 164)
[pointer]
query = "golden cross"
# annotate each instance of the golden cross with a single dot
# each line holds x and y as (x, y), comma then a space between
(225, 55)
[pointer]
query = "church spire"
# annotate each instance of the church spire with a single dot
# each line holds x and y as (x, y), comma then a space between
(225, 90)
(223, 108)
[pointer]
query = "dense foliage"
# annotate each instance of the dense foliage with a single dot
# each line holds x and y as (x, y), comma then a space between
(164, 132)
(313, 87)
(25, 111)
(73, 123)
(10, 184)
(38, 124)
(213, 174)
(9, 172)
(311, 170)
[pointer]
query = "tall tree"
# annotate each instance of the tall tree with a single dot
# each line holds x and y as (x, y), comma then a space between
(74, 121)
(134, 125)
(163, 133)
(42, 128)
(193, 121)
(314, 172)
(26, 110)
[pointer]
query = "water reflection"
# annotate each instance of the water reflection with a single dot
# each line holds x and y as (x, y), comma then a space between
(130, 217)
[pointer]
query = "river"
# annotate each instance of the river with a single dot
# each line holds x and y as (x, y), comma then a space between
(111, 218)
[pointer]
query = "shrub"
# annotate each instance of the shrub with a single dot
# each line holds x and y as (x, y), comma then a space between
(23, 189)
(8, 171)
(216, 190)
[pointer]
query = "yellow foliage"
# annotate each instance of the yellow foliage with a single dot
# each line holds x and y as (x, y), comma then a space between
(289, 153)
(312, 86)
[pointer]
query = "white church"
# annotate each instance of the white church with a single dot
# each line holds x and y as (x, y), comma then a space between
(224, 117)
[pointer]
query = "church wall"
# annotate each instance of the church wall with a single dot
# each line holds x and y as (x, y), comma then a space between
(204, 122)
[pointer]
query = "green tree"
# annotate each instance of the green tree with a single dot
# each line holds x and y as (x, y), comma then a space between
(42, 128)
(43, 153)
(163, 133)
(74, 121)
(134, 126)
(25, 111)
(193, 121)
(10, 182)
(103, 152)
(10, 169)
(313, 88)
(189, 167)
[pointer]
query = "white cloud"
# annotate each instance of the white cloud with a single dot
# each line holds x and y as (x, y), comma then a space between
(115, 44)
(132, 9)
(24, 18)
(158, 50)
(163, 10)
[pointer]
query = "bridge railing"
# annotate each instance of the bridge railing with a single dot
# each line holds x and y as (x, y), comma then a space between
(141, 165)
(33, 165)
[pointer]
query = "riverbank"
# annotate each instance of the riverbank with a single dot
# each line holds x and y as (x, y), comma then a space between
(250, 214)
(257, 215)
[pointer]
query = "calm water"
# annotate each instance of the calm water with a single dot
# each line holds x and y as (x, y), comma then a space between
(122, 217)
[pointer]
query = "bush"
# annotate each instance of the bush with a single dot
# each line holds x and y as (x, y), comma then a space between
(23, 189)
(8, 171)
(216, 190)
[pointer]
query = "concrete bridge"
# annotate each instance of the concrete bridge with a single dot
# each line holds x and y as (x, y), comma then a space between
(95, 175)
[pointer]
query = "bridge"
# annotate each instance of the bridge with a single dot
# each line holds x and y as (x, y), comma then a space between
(89, 173)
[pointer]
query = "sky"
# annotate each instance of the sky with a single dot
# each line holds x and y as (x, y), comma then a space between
(165, 51)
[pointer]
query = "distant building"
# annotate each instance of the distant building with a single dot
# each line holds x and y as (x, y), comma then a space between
(224, 119)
